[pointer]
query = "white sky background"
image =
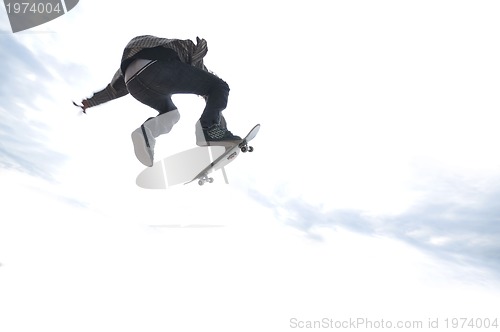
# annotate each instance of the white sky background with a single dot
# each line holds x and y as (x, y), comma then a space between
(373, 190)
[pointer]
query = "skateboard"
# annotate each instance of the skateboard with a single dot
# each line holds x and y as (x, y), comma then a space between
(227, 157)
(178, 168)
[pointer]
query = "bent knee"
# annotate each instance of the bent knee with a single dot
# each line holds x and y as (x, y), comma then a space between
(223, 87)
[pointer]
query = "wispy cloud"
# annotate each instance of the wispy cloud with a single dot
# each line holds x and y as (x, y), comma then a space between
(23, 140)
(456, 222)
(459, 221)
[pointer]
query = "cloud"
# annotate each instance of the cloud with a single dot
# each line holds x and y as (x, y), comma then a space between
(26, 79)
(22, 73)
(458, 222)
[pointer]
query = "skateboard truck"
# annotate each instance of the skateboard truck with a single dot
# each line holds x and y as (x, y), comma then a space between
(205, 178)
(245, 147)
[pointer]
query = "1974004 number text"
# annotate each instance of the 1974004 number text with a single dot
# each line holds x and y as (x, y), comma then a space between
(33, 8)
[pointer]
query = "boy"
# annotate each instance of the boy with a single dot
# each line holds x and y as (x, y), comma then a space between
(152, 69)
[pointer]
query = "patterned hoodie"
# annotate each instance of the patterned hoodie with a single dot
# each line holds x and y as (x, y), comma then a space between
(186, 50)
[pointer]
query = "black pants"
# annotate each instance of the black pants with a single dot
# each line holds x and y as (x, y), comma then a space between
(155, 86)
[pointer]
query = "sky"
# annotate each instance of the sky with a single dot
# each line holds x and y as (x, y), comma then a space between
(372, 194)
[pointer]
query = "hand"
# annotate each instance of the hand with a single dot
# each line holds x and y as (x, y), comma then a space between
(85, 104)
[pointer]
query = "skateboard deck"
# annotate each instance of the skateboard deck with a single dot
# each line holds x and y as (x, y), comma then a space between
(178, 168)
(227, 157)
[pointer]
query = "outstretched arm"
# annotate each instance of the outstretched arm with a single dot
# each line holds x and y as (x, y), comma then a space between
(116, 89)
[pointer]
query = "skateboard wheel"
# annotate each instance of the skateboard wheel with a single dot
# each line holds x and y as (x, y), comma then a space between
(244, 149)
(201, 182)
(250, 149)
(210, 180)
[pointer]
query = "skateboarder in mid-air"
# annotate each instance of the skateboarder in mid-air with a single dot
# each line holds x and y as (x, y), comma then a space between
(153, 69)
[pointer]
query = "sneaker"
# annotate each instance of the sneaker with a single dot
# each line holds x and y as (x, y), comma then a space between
(144, 144)
(216, 134)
